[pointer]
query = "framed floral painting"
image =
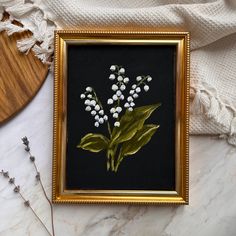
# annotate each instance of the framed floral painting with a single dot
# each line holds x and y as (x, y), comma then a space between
(121, 117)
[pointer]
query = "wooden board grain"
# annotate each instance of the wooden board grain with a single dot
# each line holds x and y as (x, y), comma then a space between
(21, 76)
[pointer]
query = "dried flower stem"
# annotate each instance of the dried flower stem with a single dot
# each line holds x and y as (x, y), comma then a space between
(45, 194)
(35, 214)
(26, 202)
(32, 158)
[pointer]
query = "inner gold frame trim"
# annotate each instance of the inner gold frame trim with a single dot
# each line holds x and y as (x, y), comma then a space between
(181, 40)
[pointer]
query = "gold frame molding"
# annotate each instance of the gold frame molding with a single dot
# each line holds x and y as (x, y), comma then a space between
(181, 193)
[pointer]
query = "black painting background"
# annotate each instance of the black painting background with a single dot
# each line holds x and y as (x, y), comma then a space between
(152, 168)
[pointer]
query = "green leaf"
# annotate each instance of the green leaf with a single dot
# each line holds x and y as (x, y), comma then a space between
(93, 142)
(131, 122)
(141, 138)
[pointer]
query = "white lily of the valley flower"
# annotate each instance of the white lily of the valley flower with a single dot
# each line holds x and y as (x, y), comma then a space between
(113, 110)
(122, 70)
(117, 124)
(126, 80)
(114, 97)
(122, 97)
(82, 96)
(101, 112)
(149, 79)
(120, 78)
(122, 87)
(118, 93)
(132, 104)
(89, 96)
(119, 109)
(93, 113)
(97, 107)
(89, 89)
(109, 101)
(96, 124)
(130, 99)
(96, 117)
(130, 109)
(139, 78)
(134, 86)
(114, 87)
(93, 103)
(112, 77)
(126, 105)
(105, 117)
(135, 95)
(101, 121)
(115, 115)
(146, 88)
(131, 92)
(113, 68)
(88, 108)
(87, 102)
(138, 90)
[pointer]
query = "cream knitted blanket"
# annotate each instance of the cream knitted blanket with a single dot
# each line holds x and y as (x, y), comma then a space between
(212, 24)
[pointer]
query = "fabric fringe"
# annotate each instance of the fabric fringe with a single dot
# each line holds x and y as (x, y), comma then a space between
(42, 53)
(10, 28)
(24, 45)
(206, 101)
(197, 107)
(42, 29)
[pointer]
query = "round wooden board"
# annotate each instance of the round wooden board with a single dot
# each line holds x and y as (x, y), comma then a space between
(21, 76)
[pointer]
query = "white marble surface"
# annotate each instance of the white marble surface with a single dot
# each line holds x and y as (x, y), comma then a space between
(212, 209)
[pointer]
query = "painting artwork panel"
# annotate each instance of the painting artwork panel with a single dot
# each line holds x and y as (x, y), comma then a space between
(121, 117)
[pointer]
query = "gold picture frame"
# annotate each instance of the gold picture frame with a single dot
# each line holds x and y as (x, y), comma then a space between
(180, 40)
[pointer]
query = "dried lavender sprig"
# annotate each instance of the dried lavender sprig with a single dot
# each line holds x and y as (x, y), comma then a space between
(38, 178)
(16, 189)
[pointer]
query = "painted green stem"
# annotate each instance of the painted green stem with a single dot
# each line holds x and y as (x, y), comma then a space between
(109, 128)
(111, 154)
(119, 160)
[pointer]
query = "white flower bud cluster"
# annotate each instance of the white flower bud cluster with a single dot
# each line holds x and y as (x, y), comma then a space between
(93, 105)
(135, 90)
(118, 101)
(119, 86)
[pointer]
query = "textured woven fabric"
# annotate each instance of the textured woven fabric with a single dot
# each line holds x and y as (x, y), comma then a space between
(211, 23)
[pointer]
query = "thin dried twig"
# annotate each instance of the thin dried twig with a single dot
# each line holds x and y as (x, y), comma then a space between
(26, 202)
(38, 178)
